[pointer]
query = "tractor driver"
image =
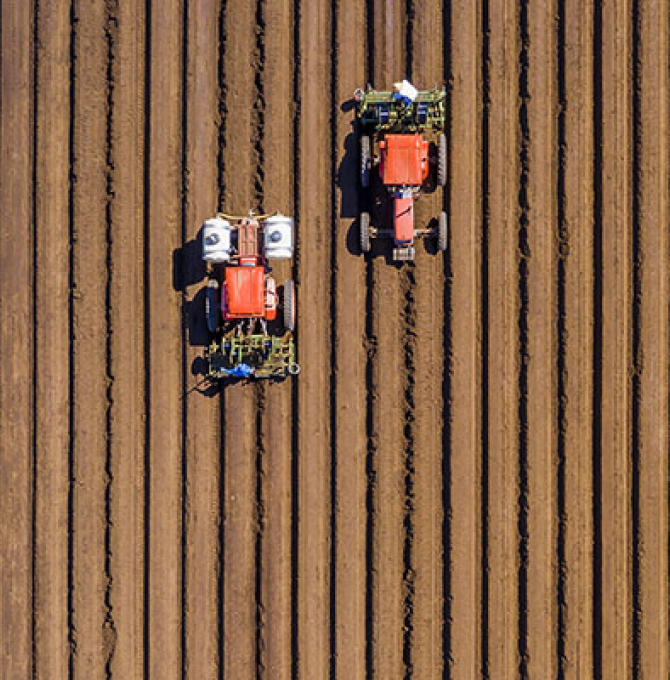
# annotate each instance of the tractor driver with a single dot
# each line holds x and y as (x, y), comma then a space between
(405, 92)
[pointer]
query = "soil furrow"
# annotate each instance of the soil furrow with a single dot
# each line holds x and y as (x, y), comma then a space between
(597, 338)
(296, 13)
(260, 515)
(615, 353)
(257, 190)
(502, 340)
(578, 434)
(465, 328)
(52, 359)
(348, 357)
(276, 417)
(91, 384)
(164, 138)
(127, 350)
(408, 316)
(240, 192)
(71, 639)
(388, 48)
(653, 407)
(561, 331)
(636, 344)
(541, 366)
(372, 387)
(109, 634)
(202, 463)
(313, 416)
(486, 313)
(426, 342)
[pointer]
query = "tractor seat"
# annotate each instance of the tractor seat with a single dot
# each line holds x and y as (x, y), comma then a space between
(247, 239)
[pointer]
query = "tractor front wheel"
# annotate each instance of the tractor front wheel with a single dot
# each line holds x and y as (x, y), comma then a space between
(442, 232)
(365, 162)
(289, 305)
(442, 160)
(365, 232)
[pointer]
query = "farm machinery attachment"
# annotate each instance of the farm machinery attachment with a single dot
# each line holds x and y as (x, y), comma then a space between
(395, 149)
(250, 320)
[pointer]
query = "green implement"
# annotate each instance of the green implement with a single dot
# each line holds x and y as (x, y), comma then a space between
(270, 356)
(382, 112)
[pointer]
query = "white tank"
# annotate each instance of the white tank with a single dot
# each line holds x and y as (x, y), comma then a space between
(216, 240)
(278, 237)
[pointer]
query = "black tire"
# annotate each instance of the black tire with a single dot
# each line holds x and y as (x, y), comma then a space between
(365, 162)
(213, 306)
(365, 232)
(442, 160)
(442, 232)
(289, 305)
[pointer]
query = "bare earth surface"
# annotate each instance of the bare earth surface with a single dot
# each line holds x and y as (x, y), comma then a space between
(469, 478)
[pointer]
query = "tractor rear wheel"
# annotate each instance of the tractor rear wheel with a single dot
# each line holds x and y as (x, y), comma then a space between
(442, 160)
(289, 305)
(365, 232)
(365, 162)
(442, 232)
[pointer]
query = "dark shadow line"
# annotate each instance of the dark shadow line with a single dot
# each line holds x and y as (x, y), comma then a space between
(486, 226)
(146, 614)
(597, 337)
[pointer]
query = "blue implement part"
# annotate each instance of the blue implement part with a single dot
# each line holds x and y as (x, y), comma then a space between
(239, 371)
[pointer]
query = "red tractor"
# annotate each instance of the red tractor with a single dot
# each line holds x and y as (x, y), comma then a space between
(404, 162)
(243, 299)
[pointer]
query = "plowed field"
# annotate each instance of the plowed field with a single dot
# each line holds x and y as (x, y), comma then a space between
(469, 478)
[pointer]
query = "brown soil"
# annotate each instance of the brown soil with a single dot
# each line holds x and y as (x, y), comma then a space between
(469, 477)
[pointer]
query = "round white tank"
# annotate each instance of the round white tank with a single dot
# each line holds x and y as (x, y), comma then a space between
(216, 240)
(278, 237)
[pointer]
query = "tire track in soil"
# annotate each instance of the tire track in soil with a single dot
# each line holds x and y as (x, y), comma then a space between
(241, 186)
(202, 417)
(348, 400)
(578, 223)
(314, 200)
(387, 439)
(52, 357)
(127, 351)
(425, 340)
(541, 232)
(653, 139)
(275, 419)
(464, 415)
(500, 480)
(614, 343)
(16, 369)
(91, 381)
(164, 136)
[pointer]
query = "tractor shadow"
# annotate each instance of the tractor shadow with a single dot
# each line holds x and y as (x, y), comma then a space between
(188, 269)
